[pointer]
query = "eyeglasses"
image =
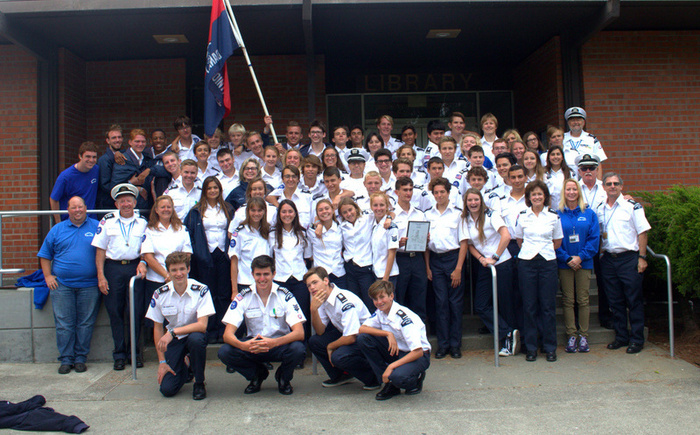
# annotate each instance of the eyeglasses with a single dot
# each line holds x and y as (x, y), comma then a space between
(612, 183)
(315, 132)
(289, 176)
(588, 168)
(383, 161)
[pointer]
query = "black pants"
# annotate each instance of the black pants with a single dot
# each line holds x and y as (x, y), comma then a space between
(359, 279)
(376, 350)
(483, 298)
(303, 297)
(250, 364)
(412, 282)
(604, 313)
(218, 279)
(195, 344)
(624, 286)
(539, 283)
(116, 302)
(346, 358)
(448, 300)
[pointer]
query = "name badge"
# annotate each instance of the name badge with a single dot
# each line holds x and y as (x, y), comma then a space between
(604, 235)
(169, 311)
(573, 238)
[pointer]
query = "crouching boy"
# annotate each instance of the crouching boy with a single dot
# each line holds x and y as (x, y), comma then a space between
(186, 304)
(395, 344)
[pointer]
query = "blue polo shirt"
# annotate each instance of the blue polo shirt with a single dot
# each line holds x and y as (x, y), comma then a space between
(72, 253)
(72, 182)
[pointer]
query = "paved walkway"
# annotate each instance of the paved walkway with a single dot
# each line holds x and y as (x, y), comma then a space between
(600, 392)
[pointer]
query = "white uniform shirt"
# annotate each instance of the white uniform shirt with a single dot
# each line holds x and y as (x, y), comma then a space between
(621, 225)
(246, 244)
(595, 196)
(403, 217)
(393, 144)
(183, 310)
(289, 258)
(492, 201)
(272, 320)
(455, 198)
(211, 171)
(239, 216)
(538, 232)
(303, 200)
(317, 188)
(357, 244)
(488, 148)
(120, 238)
(182, 199)
(420, 200)
(444, 229)
(492, 223)
(215, 228)
(454, 170)
(407, 327)
(510, 210)
(388, 185)
(161, 242)
(344, 310)
(327, 250)
(584, 144)
(274, 179)
(228, 183)
(382, 241)
(356, 185)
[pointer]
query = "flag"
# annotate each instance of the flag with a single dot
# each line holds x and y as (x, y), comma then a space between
(222, 43)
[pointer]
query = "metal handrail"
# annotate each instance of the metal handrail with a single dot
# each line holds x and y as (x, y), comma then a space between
(671, 333)
(132, 324)
(37, 213)
(494, 290)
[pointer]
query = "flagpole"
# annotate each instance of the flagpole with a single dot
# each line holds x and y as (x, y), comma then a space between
(239, 38)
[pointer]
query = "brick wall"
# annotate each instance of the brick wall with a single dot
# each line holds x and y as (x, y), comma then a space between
(538, 91)
(18, 156)
(143, 94)
(283, 83)
(71, 107)
(642, 94)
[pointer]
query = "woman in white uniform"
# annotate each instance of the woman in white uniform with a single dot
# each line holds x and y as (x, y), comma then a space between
(487, 237)
(256, 189)
(248, 240)
(292, 191)
(356, 229)
(289, 248)
(326, 242)
(385, 241)
(207, 223)
(556, 172)
(270, 173)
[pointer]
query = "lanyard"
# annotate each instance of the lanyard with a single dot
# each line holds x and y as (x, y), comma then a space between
(606, 222)
(126, 234)
(593, 191)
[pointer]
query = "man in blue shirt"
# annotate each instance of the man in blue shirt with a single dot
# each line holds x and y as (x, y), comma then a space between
(68, 261)
(80, 179)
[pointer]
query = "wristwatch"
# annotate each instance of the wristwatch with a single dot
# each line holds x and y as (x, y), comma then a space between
(172, 332)
(643, 256)
(496, 257)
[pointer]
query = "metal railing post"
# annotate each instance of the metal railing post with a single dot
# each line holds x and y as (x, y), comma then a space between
(132, 324)
(671, 332)
(494, 290)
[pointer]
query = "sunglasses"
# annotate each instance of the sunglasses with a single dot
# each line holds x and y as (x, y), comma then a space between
(588, 168)
(612, 183)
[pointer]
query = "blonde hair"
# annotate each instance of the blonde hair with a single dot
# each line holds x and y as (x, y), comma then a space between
(562, 200)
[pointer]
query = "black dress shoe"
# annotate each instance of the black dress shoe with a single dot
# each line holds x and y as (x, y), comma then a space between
(80, 367)
(531, 356)
(388, 392)
(119, 364)
(299, 366)
(269, 366)
(441, 353)
(484, 330)
(190, 375)
(551, 356)
(635, 348)
(230, 369)
(284, 387)
(64, 369)
(456, 352)
(199, 391)
(419, 386)
(617, 344)
(254, 385)
(139, 362)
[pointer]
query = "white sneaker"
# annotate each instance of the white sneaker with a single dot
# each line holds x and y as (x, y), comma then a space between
(515, 343)
(505, 352)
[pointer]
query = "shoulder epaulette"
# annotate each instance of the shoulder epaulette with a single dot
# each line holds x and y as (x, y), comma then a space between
(405, 320)
(393, 225)
(317, 196)
(306, 191)
(163, 289)
(108, 216)
(341, 297)
(636, 205)
(551, 210)
(426, 210)
(424, 193)
(488, 212)
(523, 212)
(493, 195)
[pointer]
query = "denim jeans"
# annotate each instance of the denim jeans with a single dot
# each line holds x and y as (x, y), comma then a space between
(74, 312)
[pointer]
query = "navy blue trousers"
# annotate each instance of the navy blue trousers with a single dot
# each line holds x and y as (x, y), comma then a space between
(249, 364)
(195, 344)
(359, 279)
(539, 283)
(449, 301)
(345, 359)
(624, 286)
(483, 298)
(116, 302)
(376, 350)
(412, 283)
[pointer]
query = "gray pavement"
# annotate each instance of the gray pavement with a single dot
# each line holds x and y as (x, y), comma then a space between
(600, 392)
